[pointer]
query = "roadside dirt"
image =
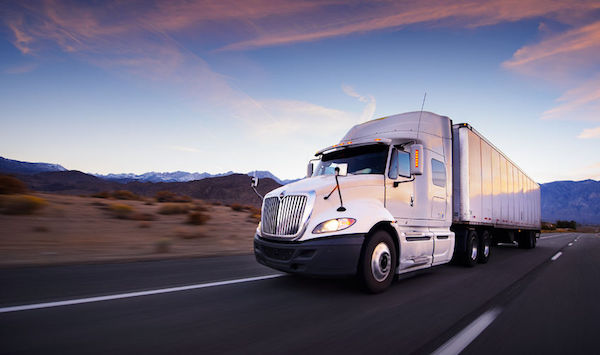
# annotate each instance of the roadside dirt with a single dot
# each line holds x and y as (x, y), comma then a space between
(71, 229)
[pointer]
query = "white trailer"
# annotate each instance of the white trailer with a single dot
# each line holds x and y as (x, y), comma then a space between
(492, 195)
(395, 195)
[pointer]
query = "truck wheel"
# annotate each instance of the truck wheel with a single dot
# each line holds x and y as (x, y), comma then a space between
(485, 247)
(378, 263)
(526, 240)
(472, 251)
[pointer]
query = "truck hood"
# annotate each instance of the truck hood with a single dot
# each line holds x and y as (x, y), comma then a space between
(322, 185)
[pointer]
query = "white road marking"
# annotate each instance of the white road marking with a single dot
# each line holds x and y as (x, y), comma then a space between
(556, 256)
(461, 340)
(556, 235)
(570, 244)
(133, 294)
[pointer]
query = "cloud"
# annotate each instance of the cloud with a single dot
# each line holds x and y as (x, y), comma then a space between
(590, 133)
(369, 109)
(21, 69)
(560, 51)
(285, 119)
(184, 149)
(356, 18)
(145, 40)
(581, 103)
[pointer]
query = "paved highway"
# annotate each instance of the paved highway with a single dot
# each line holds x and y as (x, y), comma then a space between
(523, 301)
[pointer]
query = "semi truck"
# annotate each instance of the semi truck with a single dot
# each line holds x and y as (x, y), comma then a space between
(395, 195)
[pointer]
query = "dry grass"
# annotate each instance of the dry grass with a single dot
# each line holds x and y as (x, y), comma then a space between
(120, 210)
(240, 208)
(82, 232)
(11, 185)
(174, 208)
(168, 196)
(118, 195)
(163, 246)
(21, 204)
(197, 218)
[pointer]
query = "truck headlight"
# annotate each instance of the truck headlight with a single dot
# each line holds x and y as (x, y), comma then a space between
(334, 225)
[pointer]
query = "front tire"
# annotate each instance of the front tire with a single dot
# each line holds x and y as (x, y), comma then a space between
(377, 266)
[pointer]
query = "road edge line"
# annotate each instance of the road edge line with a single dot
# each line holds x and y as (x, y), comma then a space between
(132, 294)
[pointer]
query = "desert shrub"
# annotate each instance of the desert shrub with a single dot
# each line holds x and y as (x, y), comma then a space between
(174, 208)
(118, 195)
(121, 210)
(103, 194)
(125, 195)
(168, 196)
(21, 204)
(216, 203)
(98, 204)
(142, 217)
(548, 226)
(566, 224)
(41, 229)
(11, 185)
(199, 208)
(163, 245)
(197, 218)
(186, 234)
(239, 208)
(144, 225)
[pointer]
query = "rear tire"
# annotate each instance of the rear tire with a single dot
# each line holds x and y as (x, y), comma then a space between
(470, 254)
(485, 247)
(527, 240)
(377, 265)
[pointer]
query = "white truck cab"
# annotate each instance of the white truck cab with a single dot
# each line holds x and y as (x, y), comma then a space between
(377, 204)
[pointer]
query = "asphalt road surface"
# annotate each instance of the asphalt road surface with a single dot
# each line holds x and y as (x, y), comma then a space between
(540, 301)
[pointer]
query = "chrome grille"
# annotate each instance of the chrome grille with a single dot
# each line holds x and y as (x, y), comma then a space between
(283, 216)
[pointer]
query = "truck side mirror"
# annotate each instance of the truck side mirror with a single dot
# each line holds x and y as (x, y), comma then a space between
(254, 181)
(393, 170)
(416, 159)
(309, 169)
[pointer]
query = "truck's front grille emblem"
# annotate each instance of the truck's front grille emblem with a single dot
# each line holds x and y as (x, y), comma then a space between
(282, 216)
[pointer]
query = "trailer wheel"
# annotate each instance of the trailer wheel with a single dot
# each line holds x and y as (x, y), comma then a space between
(470, 254)
(485, 247)
(377, 266)
(527, 240)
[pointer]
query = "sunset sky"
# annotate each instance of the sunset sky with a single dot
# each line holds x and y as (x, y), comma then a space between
(137, 86)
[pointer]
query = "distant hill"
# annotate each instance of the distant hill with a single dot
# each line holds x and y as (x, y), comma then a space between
(10, 166)
(261, 174)
(176, 176)
(234, 188)
(571, 200)
(561, 200)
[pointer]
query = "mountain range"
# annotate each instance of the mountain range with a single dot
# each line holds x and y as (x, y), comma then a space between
(9, 166)
(561, 200)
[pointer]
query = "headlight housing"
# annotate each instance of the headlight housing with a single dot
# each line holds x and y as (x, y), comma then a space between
(334, 225)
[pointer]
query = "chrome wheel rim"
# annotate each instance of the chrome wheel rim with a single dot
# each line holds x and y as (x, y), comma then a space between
(474, 251)
(381, 262)
(486, 247)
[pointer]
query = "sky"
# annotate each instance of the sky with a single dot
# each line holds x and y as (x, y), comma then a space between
(137, 86)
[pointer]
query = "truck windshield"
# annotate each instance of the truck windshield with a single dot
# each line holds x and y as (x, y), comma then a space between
(369, 159)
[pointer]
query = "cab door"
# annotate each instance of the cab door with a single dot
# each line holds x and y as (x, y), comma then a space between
(416, 242)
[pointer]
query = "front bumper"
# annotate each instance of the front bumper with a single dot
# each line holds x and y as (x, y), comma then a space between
(329, 256)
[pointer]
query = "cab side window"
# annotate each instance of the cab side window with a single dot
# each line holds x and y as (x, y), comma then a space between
(399, 164)
(438, 173)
